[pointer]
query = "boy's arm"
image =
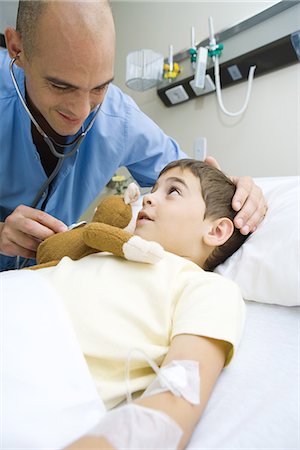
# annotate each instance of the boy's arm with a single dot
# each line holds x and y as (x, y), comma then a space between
(211, 355)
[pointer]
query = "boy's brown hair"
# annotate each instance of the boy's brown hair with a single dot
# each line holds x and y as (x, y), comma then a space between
(217, 192)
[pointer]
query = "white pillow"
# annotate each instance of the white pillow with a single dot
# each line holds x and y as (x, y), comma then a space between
(267, 266)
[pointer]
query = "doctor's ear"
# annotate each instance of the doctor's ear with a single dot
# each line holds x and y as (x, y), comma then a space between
(14, 45)
(219, 231)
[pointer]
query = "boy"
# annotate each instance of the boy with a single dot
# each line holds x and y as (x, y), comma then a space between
(172, 315)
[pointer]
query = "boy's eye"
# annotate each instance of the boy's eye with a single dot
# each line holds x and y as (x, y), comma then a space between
(174, 190)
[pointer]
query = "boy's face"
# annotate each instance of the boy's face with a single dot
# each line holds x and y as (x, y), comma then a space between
(173, 215)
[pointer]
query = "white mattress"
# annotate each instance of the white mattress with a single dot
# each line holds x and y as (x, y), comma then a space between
(255, 403)
(49, 399)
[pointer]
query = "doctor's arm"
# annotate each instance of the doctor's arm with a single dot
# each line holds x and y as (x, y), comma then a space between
(24, 229)
(211, 355)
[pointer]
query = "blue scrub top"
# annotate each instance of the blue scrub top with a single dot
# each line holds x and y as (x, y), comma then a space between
(122, 135)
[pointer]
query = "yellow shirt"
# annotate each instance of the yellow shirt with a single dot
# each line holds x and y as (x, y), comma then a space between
(117, 305)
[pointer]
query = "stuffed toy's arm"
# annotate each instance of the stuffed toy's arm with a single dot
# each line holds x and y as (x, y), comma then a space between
(103, 237)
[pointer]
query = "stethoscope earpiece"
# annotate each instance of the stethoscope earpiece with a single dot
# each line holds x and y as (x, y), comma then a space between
(16, 57)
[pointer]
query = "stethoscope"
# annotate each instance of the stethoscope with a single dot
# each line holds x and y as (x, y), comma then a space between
(50, 141)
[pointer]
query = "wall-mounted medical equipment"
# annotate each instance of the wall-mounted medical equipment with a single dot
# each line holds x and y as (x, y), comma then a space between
(193, 49)
(171, 69)
(267, 41)
(144, 69)
(215, 51)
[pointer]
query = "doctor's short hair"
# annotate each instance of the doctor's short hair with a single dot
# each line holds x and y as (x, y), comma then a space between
(28, 14)
(217, 192)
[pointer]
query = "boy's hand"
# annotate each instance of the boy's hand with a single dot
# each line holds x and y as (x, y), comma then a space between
(248, 200)
(89, 443)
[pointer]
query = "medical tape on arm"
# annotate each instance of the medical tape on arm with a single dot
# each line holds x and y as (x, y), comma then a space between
(136, 427)
(181, 377)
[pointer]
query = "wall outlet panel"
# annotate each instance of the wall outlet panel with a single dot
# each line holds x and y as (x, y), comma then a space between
(267, 58)
(200, 146)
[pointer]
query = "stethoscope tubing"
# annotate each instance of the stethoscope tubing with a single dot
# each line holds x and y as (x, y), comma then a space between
(76, 142)
(50, 142)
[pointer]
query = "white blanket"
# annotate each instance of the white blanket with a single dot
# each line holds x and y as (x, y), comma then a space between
(48, 398)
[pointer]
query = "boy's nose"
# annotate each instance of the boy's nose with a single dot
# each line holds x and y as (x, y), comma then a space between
(148, 199)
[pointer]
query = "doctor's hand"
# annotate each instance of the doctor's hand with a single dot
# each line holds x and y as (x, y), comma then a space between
(248, 200)
(24, 229)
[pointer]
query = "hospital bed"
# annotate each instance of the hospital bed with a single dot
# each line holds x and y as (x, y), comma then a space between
(256, 404)
(47, 395)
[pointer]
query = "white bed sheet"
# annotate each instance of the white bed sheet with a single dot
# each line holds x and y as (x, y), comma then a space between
(255, 403)
(48, 397)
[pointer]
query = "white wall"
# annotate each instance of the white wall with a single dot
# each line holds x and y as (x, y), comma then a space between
(265, 140)
(8, 13)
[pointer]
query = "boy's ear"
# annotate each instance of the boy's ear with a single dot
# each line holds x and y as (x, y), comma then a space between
(218, 232)
(14, 45)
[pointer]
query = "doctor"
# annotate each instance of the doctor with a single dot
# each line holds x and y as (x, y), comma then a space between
(65, 129)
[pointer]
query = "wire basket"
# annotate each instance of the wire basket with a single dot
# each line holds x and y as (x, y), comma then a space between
(144, 69)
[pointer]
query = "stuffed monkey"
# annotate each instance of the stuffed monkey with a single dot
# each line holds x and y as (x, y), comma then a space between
(111, 230)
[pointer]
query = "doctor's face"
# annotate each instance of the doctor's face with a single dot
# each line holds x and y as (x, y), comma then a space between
(70, 69)
(173, 214)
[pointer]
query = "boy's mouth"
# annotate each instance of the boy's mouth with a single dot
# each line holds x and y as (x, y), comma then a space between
(144, 216)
